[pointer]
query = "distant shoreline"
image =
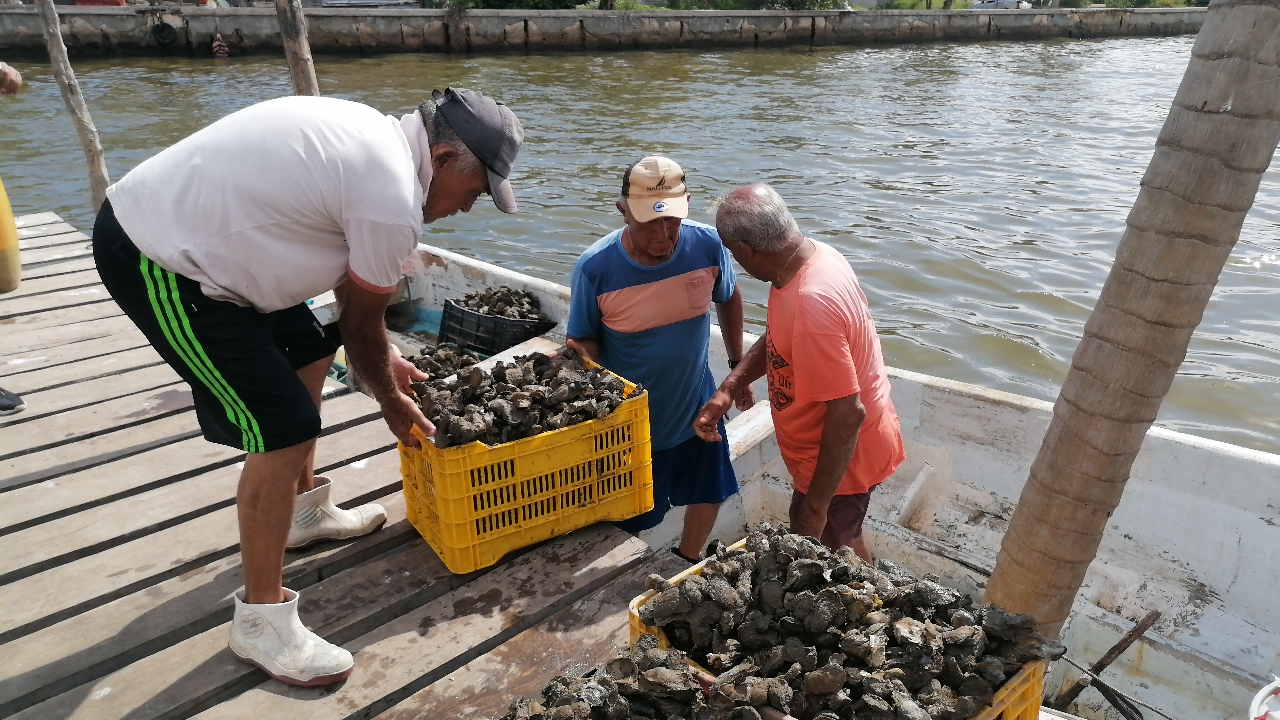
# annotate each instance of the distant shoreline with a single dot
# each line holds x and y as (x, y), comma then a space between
(129, 30)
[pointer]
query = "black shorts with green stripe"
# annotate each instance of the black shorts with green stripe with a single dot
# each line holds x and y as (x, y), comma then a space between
(241, 364)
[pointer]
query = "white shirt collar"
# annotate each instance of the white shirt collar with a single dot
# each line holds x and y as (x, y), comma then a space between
(420, 147)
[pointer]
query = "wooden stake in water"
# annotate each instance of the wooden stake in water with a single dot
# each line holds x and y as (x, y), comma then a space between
(66, 77)
(297, 48)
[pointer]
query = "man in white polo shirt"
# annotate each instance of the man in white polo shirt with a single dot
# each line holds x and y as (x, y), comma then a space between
(213, 246)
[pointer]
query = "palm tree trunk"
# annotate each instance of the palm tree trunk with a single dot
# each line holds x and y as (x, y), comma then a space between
(1217, 141)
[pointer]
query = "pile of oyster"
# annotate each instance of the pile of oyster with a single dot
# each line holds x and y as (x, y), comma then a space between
(651, 682)
(790, 627)
(503, 301)
(443, 360)
(532, 395)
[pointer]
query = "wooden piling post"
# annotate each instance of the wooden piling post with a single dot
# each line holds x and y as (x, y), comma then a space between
(66, 77)
(297, 48)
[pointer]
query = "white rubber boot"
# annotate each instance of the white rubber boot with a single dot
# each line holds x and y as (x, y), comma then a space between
(272, 638)
(316, 518)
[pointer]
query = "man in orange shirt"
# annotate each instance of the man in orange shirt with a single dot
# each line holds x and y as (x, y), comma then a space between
(836, 425)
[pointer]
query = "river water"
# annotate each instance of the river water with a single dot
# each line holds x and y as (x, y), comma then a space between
(978, 189)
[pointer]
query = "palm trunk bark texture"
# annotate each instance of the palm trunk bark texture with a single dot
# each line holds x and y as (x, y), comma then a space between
(1217, 141)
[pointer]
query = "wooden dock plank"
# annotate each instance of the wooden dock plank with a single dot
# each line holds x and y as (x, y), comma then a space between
(61, 459)
(70, 297)
(79, 395)
(340, 608)
(39, 241)
(104, 639)
(413, 651)
(56, 254)
(67, 358)
(83, 423)
(51, 462)
(76, 264)
(32, 342)
(36, 231)
(62, 540)
(65, 281)
(74, 372)
(44, 218)
(67, 590)
(570, 643)
(93, 310)
(151, 469)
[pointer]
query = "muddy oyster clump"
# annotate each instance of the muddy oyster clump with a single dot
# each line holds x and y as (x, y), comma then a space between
(443, 360)
(503, 301)
(813, 633)
(533, 394)
(650, 683)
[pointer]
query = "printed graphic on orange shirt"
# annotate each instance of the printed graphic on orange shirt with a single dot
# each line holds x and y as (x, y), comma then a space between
(781, 390)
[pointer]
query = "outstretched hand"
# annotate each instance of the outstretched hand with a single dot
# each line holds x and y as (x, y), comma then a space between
(706, 425)
(405, 372)
(401, 414)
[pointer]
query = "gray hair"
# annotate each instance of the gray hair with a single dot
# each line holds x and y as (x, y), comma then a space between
(440, 131)
(756, 216)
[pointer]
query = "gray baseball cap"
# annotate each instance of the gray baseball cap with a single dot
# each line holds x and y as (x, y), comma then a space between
(492, 133)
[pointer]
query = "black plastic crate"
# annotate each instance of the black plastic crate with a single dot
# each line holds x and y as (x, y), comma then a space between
(486, 334)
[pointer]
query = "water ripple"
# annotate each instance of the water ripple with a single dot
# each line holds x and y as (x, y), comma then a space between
(978, 189)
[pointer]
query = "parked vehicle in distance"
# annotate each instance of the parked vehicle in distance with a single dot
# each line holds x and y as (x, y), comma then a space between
(1001, 5)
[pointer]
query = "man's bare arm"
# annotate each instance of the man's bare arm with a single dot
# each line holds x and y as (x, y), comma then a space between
(730, 314)
(364, 335)
(748, 371)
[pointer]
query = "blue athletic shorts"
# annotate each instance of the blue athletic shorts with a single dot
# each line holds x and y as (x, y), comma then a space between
(694, 472)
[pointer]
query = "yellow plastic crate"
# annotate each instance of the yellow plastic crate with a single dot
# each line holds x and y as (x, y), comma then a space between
(474, 503)
(1018, 699)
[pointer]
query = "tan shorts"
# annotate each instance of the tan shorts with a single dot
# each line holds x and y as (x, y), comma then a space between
(844, 517)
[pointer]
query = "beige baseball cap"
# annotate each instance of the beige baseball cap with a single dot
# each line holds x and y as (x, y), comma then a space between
(654, 187)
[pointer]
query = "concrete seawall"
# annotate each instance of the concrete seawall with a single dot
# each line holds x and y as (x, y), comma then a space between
(130, 30)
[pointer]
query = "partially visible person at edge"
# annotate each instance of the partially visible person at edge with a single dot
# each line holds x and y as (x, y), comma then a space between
(10, 79)
(212, 248)
(640, 304)
(10, 83)
(836, 425)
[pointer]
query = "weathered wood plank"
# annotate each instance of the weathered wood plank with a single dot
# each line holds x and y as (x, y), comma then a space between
(31, 342)
(78, 395)
(82, 423)
(341, 607)
(105, 639)
(92, 311)
(413, 651)
(64, 281)
(54, 300)
(36, 231)
(37, 242)
(58, 253)
(65, 539)
(62, 459)
(44, 218)
(570, 643)
(71, 371)
(70, 589)
(59, 268)
(172, 463)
